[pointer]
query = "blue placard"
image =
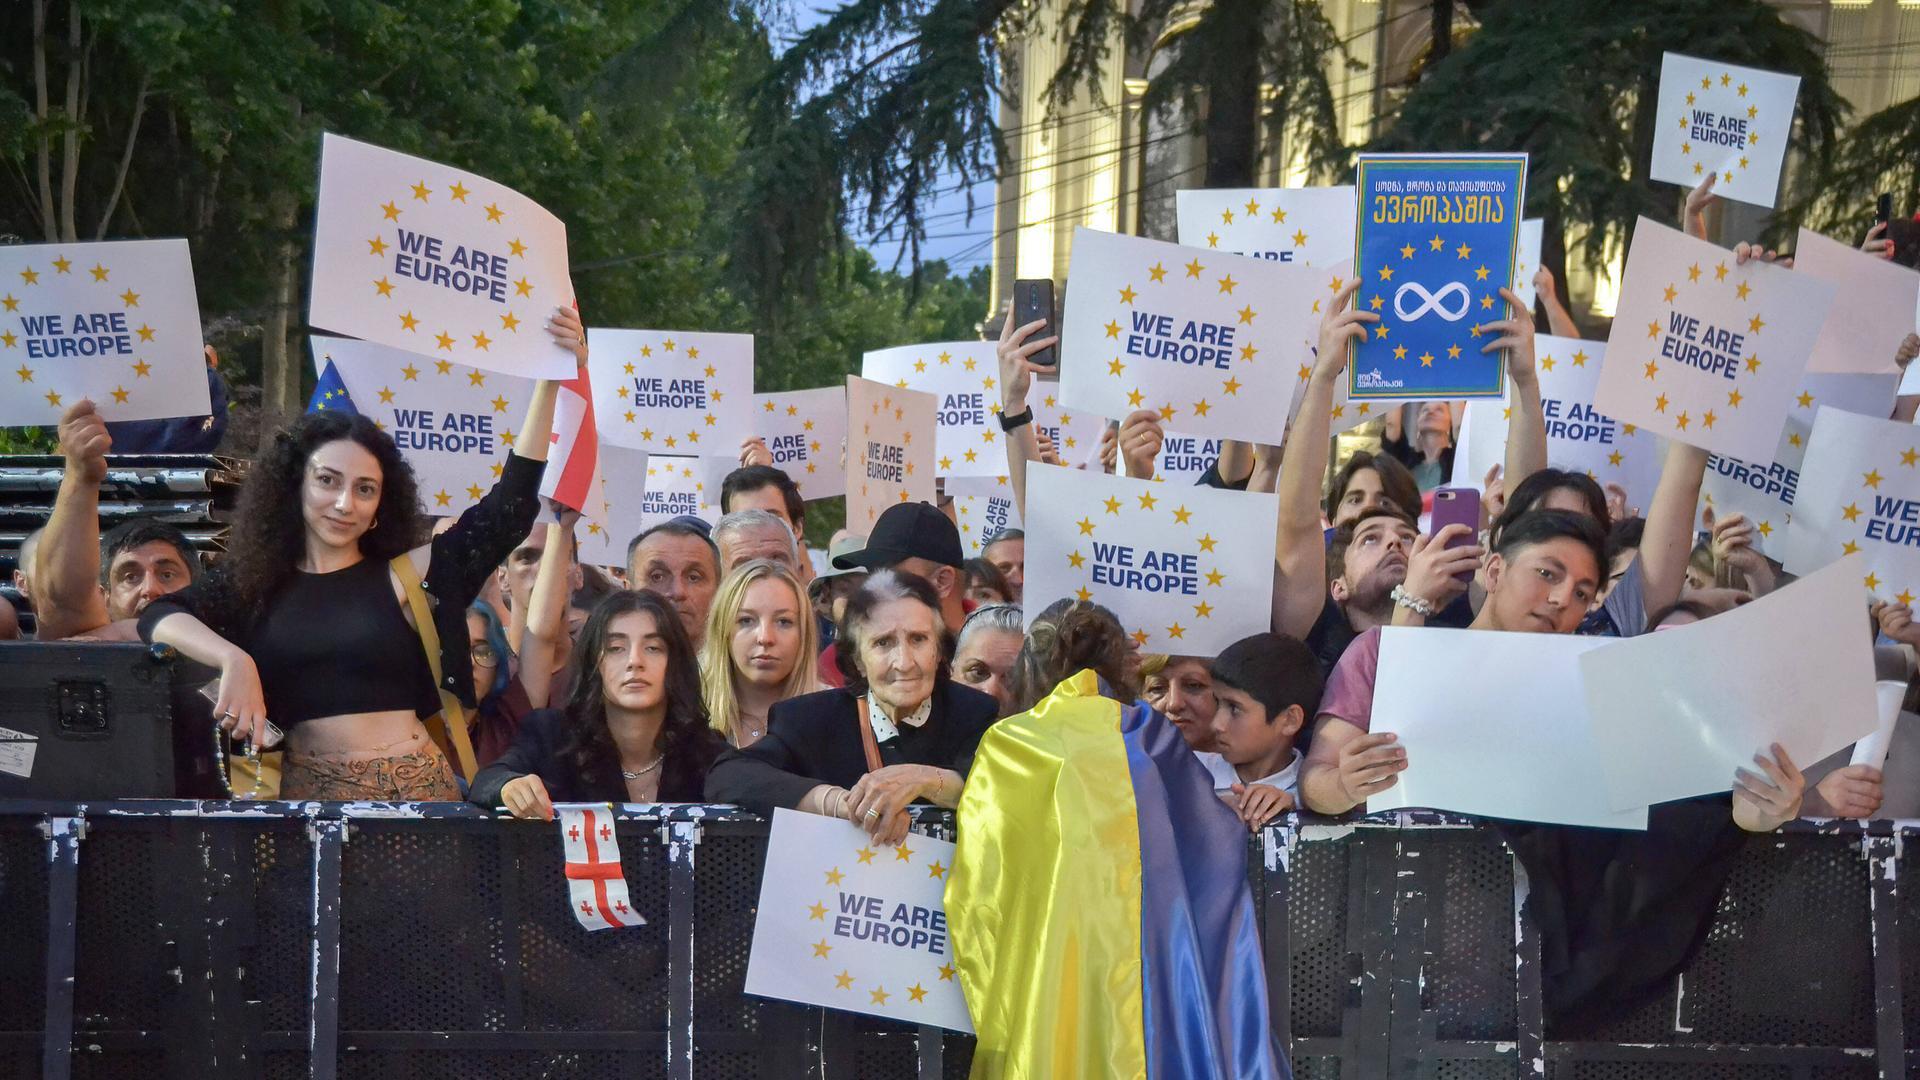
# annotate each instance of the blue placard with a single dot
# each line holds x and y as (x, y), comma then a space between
(1434, 244)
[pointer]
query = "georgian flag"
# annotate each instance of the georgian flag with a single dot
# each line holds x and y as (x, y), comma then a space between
(596, 886)
(573, 465)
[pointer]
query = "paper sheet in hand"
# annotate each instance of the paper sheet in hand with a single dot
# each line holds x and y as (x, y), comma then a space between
(806, 432)
(1306, 226)
(1185, 569)
(115, 322)
(1859, 492)
(1725, 118)
(673, 392)
(886, 464)
(1579, 437)
(1872, 313)
(849, 924)
(1704, 349)
(1493, 725)
(1764, 491)
(1676, 712)
(452, 423)
(435, 260)
(963, 377)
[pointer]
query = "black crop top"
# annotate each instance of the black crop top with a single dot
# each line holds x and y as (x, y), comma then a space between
(336, 643)
(463, 558)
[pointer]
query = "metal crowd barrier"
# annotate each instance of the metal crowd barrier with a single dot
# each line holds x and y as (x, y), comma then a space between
(183, 939)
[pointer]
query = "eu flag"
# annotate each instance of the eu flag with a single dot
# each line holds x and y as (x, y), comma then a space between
(330, 393)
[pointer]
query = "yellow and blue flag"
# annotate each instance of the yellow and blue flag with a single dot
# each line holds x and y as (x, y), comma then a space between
(330, 393)
(1098, 900)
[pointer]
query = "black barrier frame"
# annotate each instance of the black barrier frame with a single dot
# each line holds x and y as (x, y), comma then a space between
(1397, 946)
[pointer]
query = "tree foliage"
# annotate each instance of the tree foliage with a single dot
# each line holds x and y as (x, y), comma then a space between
(1575, 85)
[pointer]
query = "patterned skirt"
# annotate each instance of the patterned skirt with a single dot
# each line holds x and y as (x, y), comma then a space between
(423, 776)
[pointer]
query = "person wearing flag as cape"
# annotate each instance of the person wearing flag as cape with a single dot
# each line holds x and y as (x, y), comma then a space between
(318, 621)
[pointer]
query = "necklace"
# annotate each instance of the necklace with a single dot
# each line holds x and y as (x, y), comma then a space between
(643, 770)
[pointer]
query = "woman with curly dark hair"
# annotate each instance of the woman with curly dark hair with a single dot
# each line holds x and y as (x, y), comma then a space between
(310, 617)
(634, 729)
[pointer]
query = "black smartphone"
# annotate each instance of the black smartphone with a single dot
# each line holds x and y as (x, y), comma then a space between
(1033, 299)
(1883, 209)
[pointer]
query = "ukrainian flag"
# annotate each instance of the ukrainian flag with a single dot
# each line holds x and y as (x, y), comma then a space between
(1098, 901)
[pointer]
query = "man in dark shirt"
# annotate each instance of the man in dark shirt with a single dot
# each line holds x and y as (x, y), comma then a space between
(1367, 561)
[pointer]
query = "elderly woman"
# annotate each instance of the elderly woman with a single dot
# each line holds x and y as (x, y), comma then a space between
(900, 730)
(987, 647)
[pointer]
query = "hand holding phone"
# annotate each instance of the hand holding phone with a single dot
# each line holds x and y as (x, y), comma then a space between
(1458, 506)
(1033, 299)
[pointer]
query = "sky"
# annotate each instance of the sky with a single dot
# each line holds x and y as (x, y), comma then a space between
(964, 243)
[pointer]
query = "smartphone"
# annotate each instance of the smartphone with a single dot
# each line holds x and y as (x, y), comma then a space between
(1457, 506)
(1033, 299)
(1883, 208)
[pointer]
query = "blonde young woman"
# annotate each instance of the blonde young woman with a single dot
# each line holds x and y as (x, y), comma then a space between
(761, 649)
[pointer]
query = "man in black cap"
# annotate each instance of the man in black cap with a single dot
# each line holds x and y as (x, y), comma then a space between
(918, 539)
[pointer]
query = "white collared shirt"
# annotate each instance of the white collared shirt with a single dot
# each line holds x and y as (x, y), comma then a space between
(1224, 776)
(884, 728)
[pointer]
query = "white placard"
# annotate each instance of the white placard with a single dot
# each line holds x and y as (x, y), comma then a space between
(1872, 313)
(1706, 351)
(435, 260)
(672, 392)
(1207, 339)
(1489, 728)
(1526, 259)
(453, 424)
(1579, 437)
(1305, 226)
(1860, 493)
(604, 536)
(1184, 459)
(116, 322)
(850, 924)
(963, 377)
(678, 486)
(981, 518)
(1186, 569)
(1726, 119)
(1676, 712)
(806, 431)
(1764, 493)
(886, 463)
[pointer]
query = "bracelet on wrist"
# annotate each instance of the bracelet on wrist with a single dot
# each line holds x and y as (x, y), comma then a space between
(1010, 421)
(1415, 604)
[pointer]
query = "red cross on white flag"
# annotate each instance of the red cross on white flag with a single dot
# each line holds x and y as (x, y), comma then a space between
(596, 886)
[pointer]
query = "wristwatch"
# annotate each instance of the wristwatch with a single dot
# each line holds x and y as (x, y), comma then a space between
(1415, 604)
(1009, 421)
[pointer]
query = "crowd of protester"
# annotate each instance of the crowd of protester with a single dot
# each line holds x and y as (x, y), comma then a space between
(388, 658)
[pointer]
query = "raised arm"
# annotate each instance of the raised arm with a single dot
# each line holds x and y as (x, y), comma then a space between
(547, 612)
(1559, 320)
(66, 563)
(1016, 378)
(1667, 543)
(1527, 431)
(1299, 550)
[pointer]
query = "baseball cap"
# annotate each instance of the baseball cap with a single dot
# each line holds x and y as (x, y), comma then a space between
(913, 530)
(849, 544)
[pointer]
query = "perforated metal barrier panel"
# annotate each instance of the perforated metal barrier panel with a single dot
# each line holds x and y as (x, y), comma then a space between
(177, 939)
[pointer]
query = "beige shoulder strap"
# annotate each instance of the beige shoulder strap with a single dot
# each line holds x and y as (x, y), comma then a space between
(452, 736)
(867, 741)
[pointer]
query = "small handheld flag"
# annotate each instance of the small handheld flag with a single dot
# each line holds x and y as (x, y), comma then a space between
(330, 393)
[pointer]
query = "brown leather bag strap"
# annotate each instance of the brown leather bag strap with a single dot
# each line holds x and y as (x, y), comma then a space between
(867, 741)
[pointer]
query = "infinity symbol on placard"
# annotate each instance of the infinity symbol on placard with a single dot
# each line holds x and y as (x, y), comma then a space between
(1434, 302)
